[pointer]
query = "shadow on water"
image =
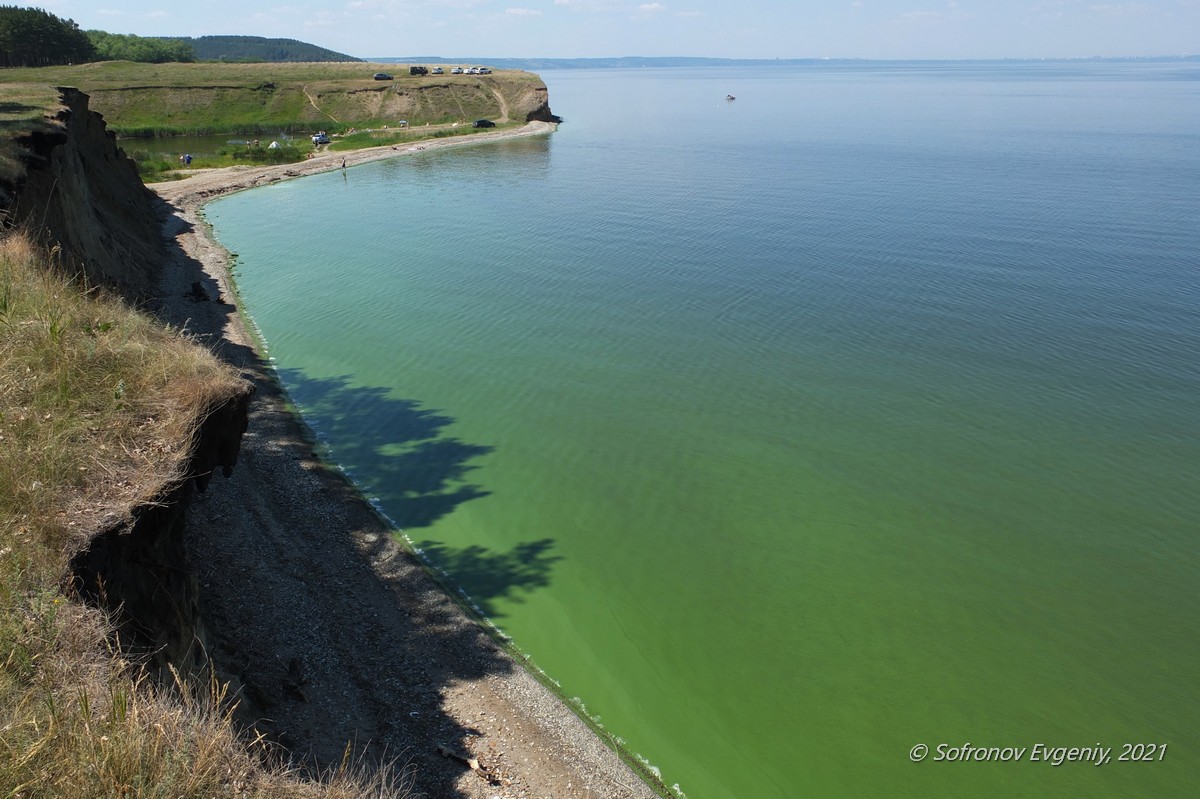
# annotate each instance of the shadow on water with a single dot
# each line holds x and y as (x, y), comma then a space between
(335, 639)
(489, 575)
(394, 448)
(418, 474)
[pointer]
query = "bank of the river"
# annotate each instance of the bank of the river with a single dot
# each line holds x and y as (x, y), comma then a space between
(332, 631)
(201, 186)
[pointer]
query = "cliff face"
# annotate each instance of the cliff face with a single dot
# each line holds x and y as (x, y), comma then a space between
(82, 195)
(138, 567)
(539, 99)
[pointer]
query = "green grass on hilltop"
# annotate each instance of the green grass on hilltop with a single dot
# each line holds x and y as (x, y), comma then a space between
(174, 99)
(24, 108)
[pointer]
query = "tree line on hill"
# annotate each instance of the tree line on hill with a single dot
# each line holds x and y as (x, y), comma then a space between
(258, 48)
(31, 37)
(127, 47)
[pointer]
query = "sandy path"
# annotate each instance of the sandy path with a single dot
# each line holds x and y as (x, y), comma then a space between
(329, 630)
(313, 102)
(503, 106)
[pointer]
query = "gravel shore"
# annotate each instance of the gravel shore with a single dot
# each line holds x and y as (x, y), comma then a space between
(332, 633)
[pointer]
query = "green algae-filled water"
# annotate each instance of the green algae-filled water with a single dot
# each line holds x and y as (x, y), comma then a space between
(794, 431)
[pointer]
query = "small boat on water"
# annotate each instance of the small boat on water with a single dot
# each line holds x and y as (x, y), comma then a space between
(730, 97)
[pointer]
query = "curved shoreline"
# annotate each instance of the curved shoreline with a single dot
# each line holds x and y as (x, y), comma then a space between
(202, 185)
(331, 631)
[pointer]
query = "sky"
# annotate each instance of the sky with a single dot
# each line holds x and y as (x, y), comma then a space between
(883, 29)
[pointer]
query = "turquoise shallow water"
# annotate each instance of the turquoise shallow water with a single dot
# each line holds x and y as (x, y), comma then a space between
(790, 432)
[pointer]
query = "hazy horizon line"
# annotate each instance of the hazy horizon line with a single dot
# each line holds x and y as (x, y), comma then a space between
(466, 59)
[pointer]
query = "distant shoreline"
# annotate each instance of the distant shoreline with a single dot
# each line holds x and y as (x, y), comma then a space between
(203, 185)
(636, 62)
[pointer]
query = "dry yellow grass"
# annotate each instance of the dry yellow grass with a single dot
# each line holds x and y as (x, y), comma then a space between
(24, 110)
(98, 405)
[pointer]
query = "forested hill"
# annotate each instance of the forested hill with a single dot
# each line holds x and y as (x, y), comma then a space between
(258, 48)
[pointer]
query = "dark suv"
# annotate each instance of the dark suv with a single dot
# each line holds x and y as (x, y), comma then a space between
(484, 123)
(382, 76)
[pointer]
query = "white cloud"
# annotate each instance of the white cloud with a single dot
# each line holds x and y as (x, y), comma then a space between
(952, 12)
(646, 11)
(1117, 9)
(594, 6)
(522, 12)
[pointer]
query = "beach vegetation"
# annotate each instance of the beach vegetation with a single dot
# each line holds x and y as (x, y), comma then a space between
(380, 138)
(154, 166)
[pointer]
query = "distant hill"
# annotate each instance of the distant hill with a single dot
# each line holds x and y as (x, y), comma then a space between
(258, 48)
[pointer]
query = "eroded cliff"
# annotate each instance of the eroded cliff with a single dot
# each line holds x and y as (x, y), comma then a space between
(137, 567)
(81, 195)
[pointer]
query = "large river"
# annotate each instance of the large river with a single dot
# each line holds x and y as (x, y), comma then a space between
(791, 431)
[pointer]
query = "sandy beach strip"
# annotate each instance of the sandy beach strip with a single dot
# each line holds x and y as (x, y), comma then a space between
(330, 632)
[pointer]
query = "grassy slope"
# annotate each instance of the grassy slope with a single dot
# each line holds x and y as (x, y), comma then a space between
(23, 108)
(162, 99)
(97, 406)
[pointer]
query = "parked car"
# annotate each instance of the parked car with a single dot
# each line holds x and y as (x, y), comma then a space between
(484, 123)
(382, 76)
(418, 70)
(438, 71)
(321, 138)
(456, 71)
(483, 71)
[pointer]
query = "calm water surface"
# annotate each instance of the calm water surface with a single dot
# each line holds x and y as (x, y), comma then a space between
(790, 432)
